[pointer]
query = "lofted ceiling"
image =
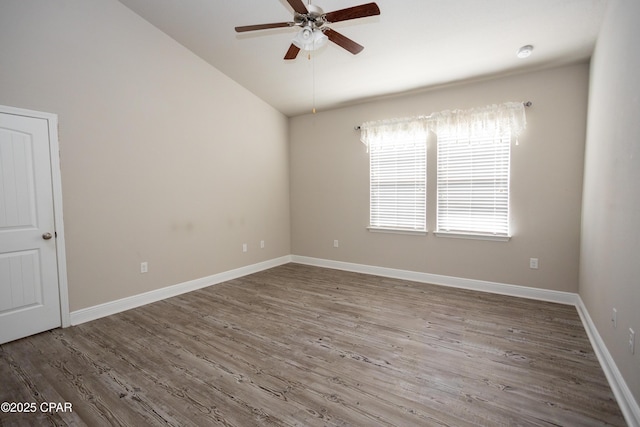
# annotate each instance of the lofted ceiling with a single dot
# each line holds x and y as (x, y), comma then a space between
(411, 45)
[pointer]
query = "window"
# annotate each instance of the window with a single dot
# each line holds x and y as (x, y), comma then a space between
(472, 174)
(398, 178)
(473, 185)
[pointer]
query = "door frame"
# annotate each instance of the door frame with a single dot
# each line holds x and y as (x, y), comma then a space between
(56, 184)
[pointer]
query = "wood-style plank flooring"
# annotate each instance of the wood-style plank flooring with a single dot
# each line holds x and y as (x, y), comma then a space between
(305, 346)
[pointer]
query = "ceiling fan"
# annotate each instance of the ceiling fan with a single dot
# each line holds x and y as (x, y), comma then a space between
(314, 34)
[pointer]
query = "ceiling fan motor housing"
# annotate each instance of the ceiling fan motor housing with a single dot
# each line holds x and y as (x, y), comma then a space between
(315, 17)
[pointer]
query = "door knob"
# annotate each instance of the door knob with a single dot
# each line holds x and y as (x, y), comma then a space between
(47, 236)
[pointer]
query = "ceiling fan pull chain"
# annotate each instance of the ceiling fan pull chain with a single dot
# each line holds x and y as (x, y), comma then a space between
(313, 83)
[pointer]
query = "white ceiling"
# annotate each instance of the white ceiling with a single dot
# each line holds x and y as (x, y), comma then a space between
(413, 44)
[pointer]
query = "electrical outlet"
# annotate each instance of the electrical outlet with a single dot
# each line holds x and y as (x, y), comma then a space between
(336, 244)
(261, 244)
(244, 247)
(533, 263)
(144, 267)
(614, 318)
(632, 341)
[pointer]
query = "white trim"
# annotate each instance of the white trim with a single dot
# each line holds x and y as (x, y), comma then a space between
(56, 176)
(117, 306)
(56, 184)
(566, 298)
(398, 231)
(473, 236)
(621, 391)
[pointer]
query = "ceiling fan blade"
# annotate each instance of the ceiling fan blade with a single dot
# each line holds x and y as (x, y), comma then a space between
(298, 6)
(343, 41)
(292, 52)
(264, 26)
(362, 11)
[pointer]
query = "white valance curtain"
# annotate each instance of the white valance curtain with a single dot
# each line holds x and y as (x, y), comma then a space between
(489, 120)
(393, 131)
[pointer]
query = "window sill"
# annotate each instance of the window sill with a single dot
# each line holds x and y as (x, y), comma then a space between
(473, 236)
(397, 231)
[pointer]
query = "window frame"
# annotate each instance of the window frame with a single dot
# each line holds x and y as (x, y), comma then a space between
(383, 157)
(446, 227)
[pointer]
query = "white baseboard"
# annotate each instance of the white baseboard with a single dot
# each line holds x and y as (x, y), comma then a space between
(92, 313)
(566, 298)
(621, 391)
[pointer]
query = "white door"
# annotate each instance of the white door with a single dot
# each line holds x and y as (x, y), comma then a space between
(29, 291)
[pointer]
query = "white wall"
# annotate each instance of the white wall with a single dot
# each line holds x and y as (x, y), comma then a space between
(330, 179)
(610, 249)
(164, 159)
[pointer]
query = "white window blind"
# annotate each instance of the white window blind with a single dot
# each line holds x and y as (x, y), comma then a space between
(473, 184)
(472, 170)
(398, 177)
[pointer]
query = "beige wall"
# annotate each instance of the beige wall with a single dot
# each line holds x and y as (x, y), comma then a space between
(610, 250)
(164, 159)
(329, 185)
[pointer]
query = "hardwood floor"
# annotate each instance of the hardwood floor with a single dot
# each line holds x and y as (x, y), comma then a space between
(300, 345)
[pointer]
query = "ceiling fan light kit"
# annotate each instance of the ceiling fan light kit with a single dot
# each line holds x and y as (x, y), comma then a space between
(314, 34)
(310, 39)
